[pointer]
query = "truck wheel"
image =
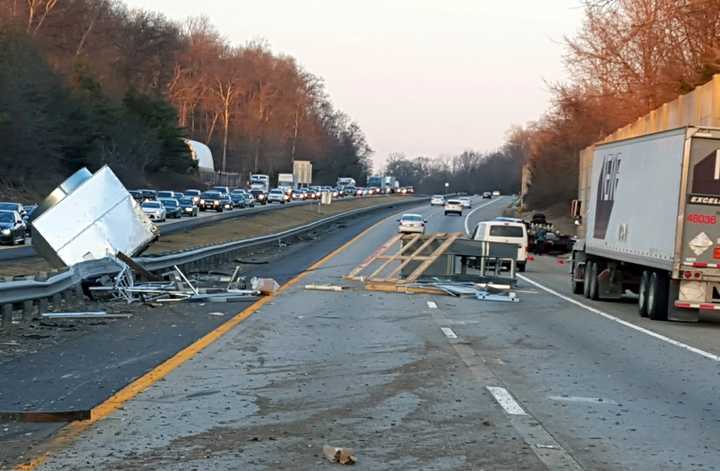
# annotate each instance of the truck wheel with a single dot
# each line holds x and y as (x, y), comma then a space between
(643, 294)
(594, 288)
(522, 266)
(657, 297)
(586, 284)
(578, 287)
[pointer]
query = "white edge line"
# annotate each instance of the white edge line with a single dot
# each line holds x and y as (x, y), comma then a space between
(448, 332)
(708, 355)
(589, 400)
(506, 401)
(467, 218)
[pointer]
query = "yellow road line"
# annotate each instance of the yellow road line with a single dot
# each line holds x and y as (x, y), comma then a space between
(71, 431)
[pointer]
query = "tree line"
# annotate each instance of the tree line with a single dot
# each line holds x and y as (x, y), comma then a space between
(469, 172)
(91, 82)
(629, 57)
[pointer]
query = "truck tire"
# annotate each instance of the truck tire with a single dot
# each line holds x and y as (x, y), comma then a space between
(657, 298)
(643, 294)
(594, 290)
(578, 287)
(522, 266)
(586, 283)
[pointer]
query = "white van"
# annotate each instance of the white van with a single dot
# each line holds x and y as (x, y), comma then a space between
(505, 232)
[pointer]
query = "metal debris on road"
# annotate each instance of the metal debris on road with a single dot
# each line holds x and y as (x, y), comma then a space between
(339, 455)
(84, 315)
(325, 287)
(176, 286)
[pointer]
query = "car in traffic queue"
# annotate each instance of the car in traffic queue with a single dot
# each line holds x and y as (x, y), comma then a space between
(487, 195)
(168, 194)
(466, 201)
(227, 202)
(194, 194)
(154, 210)
(453, 206)
(17, 207)
(277, 195)
(12, 227)
(259, 196)
(137, 195)
(411, 223)
(149, 195)
(437, 200)
(188, 207)
(172, 207)
(211, 201)
(223, 190)
(239, 198)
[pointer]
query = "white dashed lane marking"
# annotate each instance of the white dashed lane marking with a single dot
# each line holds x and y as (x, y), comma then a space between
(506, 401)
(432, 305)
(448, 332)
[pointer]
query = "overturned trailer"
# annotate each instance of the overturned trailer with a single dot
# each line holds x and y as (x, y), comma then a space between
(89, 217)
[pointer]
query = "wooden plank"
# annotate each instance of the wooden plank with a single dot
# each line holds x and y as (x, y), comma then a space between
(389, 259)
(395, 288)
(353, 275)
(426, 244)
(402, 257)
(437, 253)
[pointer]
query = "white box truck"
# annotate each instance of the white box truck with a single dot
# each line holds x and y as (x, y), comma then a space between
(651, 220)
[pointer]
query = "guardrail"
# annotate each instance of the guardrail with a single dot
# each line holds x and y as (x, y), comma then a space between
(31, 295)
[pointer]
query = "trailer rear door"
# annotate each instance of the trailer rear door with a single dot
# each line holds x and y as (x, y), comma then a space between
(700, 243)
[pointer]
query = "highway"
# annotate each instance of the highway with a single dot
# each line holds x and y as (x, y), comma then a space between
(424, 382)
(168, 226)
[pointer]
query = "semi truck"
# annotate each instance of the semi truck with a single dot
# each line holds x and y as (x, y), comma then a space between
(386, 183)
(286, 181)
(260, 182)
(649, 212)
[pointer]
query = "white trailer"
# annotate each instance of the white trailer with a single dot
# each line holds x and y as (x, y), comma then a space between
(651, 223)
(89, 217)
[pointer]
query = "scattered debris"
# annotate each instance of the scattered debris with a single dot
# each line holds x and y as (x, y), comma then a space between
(264, 285)
(547, 447)
(339, 455)
(84, 315)
(325, 287)
(176, 286)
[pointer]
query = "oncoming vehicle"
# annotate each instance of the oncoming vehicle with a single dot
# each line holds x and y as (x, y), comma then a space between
(172, 208)
(465, 200)
(487, 195)
(167, 194)
(12, 228)
(259, 196)
(223, 190)
(437, 200)
(194, 194)
(188, 207)
(505, 232)
(17, 207)
(411, 223)
(154, 210)
(211, 200)
(496, 193)
(227, 202)
(454, 207)
(277, 195)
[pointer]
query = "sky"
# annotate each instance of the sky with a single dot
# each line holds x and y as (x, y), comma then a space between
(420, 77)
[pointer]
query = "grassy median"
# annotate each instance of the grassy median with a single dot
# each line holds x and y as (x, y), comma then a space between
(242, 227)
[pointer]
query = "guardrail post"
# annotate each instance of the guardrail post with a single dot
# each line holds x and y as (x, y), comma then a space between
(6, 315)
(28, 309)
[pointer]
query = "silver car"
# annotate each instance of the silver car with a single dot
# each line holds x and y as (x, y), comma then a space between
(154, 210)
(411, 224)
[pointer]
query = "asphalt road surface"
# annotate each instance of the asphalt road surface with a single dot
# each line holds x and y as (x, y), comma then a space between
(426, 382)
